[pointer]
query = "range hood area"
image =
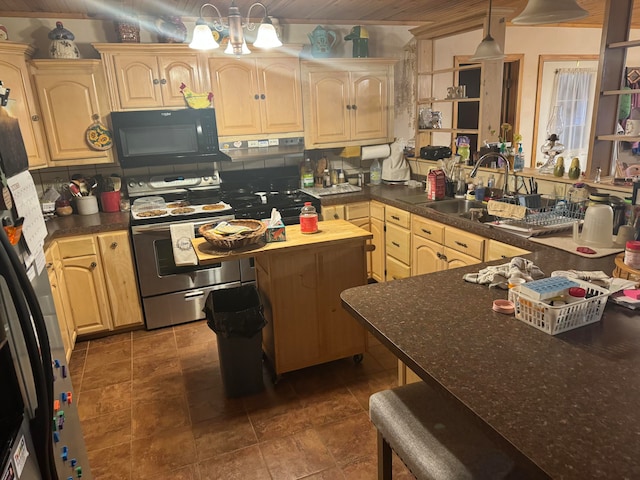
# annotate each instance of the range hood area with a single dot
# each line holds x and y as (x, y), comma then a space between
(247, 150)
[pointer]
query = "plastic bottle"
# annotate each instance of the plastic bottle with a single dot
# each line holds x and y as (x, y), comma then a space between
(306, 173)
(492, 181)
(308, 218)
(326, 178)
(518, 161)
(479, 190)
(376, 173)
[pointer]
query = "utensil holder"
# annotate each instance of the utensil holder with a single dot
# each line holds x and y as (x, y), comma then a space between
(110, 201)
(87, 205)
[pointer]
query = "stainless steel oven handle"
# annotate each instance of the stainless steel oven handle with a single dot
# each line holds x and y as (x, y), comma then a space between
(193, 295)
(164, 227)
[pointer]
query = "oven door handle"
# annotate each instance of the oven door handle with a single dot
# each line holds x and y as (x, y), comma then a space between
(164, 227)
(193, 295)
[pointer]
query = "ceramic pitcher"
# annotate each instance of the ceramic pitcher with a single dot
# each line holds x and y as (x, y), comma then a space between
(322, 41)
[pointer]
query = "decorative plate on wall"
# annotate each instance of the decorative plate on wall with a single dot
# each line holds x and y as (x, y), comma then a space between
(98, 136)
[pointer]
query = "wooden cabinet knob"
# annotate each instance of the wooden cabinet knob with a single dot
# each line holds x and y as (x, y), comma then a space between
(35, 118)
(256, 96)
(114, 245)
(348, 107)
(263, 96)
(156, 81)
(48, 266)
(354, 107)
(93, 265)
(163, 81)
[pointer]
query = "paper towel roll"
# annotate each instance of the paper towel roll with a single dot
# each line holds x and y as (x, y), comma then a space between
(376, 151)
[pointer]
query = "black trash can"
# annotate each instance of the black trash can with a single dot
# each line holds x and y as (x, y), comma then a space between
(236, 316)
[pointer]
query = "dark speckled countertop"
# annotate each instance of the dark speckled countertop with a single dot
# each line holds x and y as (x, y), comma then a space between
(566, 406)
(58, 227)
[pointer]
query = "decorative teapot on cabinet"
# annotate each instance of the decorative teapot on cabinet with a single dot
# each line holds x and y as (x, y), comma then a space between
(322, 41)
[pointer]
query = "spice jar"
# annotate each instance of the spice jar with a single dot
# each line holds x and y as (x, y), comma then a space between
(63, 207)
(632, 254)
(308, 218)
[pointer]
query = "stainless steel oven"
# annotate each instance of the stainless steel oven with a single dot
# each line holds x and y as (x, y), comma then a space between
(176, 294)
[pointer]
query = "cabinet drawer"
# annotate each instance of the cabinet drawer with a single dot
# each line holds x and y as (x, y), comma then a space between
(464, 242)
(376, 210)
(397, 217)
(398, 243)
(77, 247)
(497, 250)
(356, 210)
(428, 229)
(396, 270)
(332, 212)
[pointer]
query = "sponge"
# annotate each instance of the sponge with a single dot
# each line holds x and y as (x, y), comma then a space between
(635, 294)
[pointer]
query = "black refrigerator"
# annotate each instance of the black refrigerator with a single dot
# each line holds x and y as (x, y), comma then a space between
(40, 432)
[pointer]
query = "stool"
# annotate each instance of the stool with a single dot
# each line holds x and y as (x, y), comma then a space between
(431, 438)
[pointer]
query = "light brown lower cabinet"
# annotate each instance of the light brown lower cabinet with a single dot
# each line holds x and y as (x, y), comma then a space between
(68, 330)
(300, 291)
(100, 282)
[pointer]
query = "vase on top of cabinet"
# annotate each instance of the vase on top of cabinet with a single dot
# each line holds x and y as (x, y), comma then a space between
(322, 42)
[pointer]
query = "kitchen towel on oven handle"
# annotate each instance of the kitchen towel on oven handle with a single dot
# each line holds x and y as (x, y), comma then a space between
(181, 236)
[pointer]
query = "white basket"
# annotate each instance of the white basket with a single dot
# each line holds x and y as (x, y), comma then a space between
(555, 320)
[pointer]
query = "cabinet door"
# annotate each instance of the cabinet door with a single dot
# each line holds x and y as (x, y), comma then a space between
(369, 106)
(71, 93)
(23, 106)
(280, 95)
(455, 259)
(365, 225)
(427, 256)
(138, 81)
(327, 117)
(87, 295)
(333, 212)
(120, 278)
(378, 255)
(236, 96)
(67, 333)
(175, 70)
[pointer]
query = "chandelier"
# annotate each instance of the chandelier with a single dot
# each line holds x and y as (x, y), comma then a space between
(203, 38)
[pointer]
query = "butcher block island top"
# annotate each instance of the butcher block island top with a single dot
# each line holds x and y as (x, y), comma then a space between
(330, 231)
(300, 281)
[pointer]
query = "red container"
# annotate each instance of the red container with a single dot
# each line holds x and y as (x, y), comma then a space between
(110, 201)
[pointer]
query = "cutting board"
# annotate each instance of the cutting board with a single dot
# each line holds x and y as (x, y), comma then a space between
(566, 243)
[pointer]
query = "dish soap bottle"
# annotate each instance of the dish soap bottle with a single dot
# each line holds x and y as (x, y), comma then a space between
(376, 173)
(306, 174)
(518, 161)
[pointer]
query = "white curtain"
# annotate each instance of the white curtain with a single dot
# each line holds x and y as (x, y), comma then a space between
(574, 90)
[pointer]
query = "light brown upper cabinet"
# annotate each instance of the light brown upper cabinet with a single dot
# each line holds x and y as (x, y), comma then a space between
(71, 93)
(22, 101)
(149, 76)
(256, 95)
(347, 102)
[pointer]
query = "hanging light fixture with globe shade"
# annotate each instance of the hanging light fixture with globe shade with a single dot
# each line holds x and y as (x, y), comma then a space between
(538, 12)
(488, 48)
(203, 36)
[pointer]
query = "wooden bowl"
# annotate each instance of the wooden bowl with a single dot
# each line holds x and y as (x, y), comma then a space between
(236, 240)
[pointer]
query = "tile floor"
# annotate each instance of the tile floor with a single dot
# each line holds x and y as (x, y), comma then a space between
(152, 406)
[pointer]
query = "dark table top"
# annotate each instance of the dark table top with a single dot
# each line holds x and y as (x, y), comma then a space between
(568, 404)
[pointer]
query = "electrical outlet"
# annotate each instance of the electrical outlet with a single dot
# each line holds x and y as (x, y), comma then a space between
(274, 141)
(253, 144)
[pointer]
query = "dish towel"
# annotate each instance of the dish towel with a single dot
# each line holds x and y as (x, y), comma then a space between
(183, 253)
(498, 275)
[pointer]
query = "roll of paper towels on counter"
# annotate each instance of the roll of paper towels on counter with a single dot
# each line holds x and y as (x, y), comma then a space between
(376, 151)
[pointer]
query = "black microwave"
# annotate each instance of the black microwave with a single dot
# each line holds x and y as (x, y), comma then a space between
(166, 137)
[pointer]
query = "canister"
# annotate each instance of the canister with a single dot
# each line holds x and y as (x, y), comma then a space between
(632, 254)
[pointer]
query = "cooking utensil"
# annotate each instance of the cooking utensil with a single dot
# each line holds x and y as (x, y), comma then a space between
(74, 189)
(117, 183)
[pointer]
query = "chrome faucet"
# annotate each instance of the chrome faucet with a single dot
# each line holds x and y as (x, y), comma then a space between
(474, 172)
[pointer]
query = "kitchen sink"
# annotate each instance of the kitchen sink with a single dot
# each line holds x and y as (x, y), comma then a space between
(455, 206)
(479, 216)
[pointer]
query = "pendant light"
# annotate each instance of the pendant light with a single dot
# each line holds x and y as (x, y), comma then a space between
(488, 48)
(235, 24)
(538, 12)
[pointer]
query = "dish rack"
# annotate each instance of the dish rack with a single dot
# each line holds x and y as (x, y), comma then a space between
(562, 318)
(542, 218)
